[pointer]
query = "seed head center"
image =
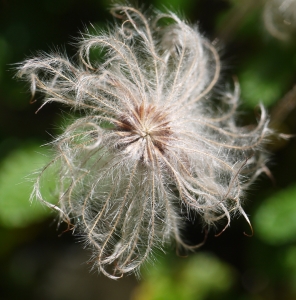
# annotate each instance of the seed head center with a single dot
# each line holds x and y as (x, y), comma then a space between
(145, 123)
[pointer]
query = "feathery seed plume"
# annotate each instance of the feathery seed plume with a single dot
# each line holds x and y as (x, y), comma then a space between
(150, 145)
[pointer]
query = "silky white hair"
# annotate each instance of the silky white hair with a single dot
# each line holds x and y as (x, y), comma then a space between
(152, 146)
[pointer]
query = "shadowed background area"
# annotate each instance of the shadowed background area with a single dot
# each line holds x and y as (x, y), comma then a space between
(256, 41)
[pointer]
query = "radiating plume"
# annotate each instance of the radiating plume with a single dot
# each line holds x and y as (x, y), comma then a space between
(150, 141)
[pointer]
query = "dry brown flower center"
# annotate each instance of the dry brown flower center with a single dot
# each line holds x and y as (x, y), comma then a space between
(146, 121)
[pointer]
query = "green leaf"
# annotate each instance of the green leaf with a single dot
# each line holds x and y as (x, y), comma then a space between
(275, 220)
(199, 276)
(256, 88)
(16, 186)
(175, 5)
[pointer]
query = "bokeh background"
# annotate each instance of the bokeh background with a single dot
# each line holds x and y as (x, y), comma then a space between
(257, 43)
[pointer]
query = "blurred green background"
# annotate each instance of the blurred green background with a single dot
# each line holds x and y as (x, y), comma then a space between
(37, 262)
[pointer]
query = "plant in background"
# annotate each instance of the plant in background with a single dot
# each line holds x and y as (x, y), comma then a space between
(152, 146)
(280, 18)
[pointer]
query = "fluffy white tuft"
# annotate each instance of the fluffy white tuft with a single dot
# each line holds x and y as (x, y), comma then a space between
(150, 140)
